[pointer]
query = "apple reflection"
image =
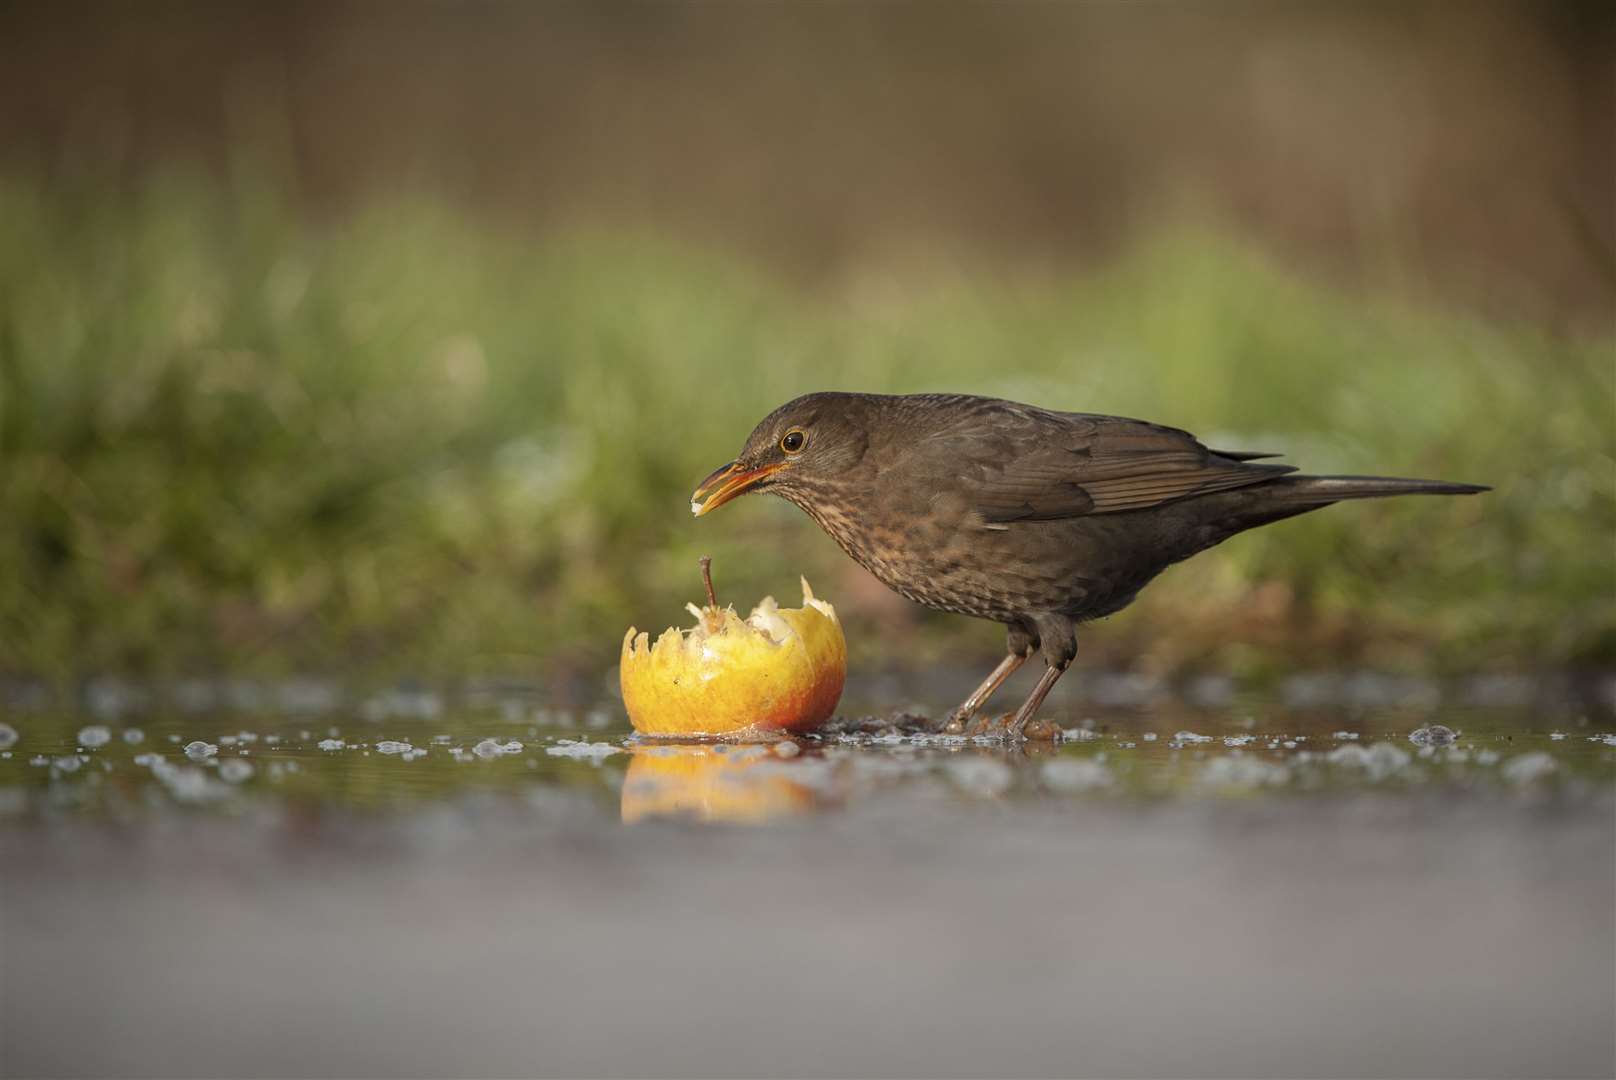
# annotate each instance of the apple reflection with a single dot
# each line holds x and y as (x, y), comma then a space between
(715, 783)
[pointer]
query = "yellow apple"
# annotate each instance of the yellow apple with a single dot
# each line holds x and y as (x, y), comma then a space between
(778, 669)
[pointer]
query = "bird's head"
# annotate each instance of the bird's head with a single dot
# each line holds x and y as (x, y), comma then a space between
(805, 446)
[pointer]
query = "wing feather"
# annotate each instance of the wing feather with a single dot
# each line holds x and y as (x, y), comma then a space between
(1019, 464)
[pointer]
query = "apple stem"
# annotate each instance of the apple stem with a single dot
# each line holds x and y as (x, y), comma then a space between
(707, 579)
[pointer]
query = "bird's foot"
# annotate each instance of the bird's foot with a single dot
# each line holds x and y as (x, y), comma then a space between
(989, 725)
(1040, 730)
(1035, 730)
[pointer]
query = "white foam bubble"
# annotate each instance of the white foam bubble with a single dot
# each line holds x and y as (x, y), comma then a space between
(493, 748)
(587, 750)
(1432, 735)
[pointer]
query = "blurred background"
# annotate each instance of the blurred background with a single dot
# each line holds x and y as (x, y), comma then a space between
(384, 340)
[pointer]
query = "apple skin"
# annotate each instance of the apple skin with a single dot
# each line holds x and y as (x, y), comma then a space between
(777, 670)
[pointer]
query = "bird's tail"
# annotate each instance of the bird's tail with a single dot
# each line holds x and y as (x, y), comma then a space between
(1310, 490)
(1286, 496)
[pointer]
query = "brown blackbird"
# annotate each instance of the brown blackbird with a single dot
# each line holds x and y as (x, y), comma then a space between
(1036, 519)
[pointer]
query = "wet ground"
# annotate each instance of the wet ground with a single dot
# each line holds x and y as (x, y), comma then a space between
(1345, 876)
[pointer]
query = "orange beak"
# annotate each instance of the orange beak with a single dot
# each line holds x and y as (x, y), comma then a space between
(726, 482)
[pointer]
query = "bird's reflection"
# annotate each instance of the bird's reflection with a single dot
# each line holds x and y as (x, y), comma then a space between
(702, 782)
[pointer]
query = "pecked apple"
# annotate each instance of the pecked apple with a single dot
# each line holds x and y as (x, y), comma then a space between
(778, 669)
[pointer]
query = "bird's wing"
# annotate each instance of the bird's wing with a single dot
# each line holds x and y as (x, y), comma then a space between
(1027, 465)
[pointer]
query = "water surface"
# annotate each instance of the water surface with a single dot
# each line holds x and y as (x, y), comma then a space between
(420, 883)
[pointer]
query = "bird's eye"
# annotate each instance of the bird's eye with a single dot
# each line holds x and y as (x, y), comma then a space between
(793, 442)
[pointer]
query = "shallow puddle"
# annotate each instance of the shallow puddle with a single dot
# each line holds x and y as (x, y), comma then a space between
(407, 749)
(416, 884)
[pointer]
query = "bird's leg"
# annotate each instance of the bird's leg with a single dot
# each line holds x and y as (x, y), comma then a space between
(961, 716)
(1046, 683)
(1057, 637)
(1020, 642)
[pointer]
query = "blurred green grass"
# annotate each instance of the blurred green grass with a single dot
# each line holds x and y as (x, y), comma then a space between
(234, 438)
